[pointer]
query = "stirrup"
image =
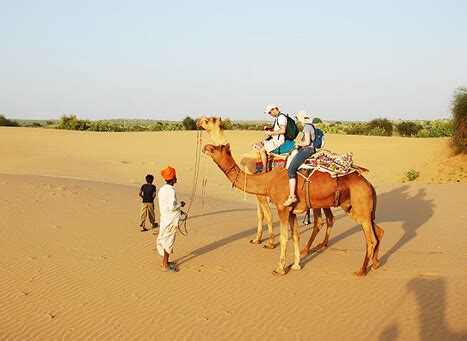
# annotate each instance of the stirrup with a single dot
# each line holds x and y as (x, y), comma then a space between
(290, 201)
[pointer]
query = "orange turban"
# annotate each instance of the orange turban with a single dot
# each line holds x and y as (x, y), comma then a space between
(168, 173)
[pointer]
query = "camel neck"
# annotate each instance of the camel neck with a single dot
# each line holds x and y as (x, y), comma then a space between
(250, 183)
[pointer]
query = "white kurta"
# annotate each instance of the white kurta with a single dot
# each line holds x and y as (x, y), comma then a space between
(170, 215)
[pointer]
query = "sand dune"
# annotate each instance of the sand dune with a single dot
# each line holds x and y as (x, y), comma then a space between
(75, 266)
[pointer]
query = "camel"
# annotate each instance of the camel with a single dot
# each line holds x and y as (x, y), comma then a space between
(357, 198)
(213, 126)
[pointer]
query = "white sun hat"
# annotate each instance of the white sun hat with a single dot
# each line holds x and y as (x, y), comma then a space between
(303, 117)
(269, 108)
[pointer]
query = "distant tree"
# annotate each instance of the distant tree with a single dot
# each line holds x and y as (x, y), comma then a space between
(459, 113)
(73, 123)
(317, 120)
(189, 123)
(382, 123)
(227, 124)
(6, 122)
(408, 128)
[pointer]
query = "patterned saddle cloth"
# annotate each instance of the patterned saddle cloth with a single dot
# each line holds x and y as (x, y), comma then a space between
(323, 160)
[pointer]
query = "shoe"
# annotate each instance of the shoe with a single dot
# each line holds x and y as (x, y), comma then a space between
(143, 229)
(290, 201)
(169, 269)
(155, 225)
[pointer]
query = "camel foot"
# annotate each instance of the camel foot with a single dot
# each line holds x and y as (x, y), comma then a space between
(269, 246)
(255, 241)
(375, 264)
(304, 252)
(360, 273)
(321, 247)
(279, 272)
(296, 267)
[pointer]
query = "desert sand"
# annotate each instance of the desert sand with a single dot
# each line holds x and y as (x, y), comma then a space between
(75, 266)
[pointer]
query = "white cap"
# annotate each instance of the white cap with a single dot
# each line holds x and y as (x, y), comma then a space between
(270, 107)
(303, 117)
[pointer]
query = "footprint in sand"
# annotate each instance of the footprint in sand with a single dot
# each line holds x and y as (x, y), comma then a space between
(429, 274)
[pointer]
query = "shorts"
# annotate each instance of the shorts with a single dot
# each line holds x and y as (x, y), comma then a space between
(284, 148)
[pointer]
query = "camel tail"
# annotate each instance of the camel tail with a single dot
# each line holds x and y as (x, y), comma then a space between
(373, 212)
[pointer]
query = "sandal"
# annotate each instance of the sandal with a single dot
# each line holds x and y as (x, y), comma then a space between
(169, 269)
(290, 201)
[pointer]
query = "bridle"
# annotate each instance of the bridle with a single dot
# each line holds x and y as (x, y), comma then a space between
(236, 177)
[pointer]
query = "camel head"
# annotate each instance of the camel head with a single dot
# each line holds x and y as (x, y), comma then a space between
(221, 155)
(209, 123)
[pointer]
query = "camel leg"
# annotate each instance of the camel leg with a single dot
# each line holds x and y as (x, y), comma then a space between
(284, 221)
(268, 215)
(293, 222)
(260, 216)
(317, 224)
(329, 224)
(379, 235)
(370, 245)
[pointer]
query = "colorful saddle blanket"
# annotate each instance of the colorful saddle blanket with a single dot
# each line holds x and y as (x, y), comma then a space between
(324, 161)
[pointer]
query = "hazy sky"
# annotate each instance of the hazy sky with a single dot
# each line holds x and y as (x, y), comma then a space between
(341, 60)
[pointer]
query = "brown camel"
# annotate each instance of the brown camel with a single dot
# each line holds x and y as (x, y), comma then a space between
(357, 199)
(213, 125)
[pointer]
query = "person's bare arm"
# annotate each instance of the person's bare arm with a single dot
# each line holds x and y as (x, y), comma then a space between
(281, 131)
(304, 143)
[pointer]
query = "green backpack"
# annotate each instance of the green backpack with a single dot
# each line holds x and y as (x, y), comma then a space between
(291, 130)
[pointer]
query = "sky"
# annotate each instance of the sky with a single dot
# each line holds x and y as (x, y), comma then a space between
(338, 60)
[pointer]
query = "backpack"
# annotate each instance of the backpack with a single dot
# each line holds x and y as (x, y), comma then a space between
(318, 142)
(291, 130)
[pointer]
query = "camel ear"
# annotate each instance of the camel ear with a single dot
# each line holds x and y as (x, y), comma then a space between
(227, 146)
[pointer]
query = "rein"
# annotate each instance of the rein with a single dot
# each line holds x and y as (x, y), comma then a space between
(184, 214)
(236, 177)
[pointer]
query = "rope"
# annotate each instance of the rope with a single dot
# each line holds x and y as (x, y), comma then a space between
(199, 142)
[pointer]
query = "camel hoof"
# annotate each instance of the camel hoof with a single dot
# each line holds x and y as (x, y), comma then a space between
(255, 241)
(269, 246)
(375, 265)
(360, 273)
(304, 252)
(296, 267)
(279, 272)
(321, 247)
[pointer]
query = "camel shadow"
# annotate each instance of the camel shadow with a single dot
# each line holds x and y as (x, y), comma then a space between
(397, 205)
(430, 294)
(232, 238)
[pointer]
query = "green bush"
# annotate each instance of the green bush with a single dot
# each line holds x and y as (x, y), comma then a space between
(73, 123)
(377, 131)
(381, 123)
(227, 124)
(357, 129)
(459, 113)
(438, 129)
(411, 174)
(408, 128)
(8, 123)
(189, 123)
(317, 120)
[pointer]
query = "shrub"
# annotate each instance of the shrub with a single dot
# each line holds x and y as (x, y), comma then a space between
(227, 124)
(73, 123)
(440, 129)
(317, 120)
(189, 123)
(383, 123)
(377, 131)
(411, 174)
(408, 128)
(459, 113)
(8, 123)
(357, 129)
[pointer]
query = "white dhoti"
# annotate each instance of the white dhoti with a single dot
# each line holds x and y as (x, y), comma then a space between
(166, 238)
(170, 216)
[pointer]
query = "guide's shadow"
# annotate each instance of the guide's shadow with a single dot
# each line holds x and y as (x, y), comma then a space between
(430, 294)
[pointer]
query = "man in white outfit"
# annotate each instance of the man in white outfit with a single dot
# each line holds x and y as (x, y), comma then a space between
(169, 218)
